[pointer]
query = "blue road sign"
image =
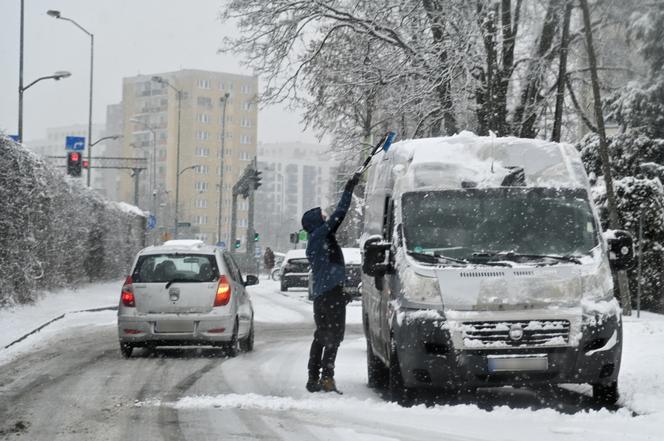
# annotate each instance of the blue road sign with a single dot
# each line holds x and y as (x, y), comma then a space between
(152, 222)
(75, 143)
(14, 138)
(257, 251)
(221, 244)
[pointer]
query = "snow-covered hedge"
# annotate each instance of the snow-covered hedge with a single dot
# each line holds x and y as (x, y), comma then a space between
(55, 232)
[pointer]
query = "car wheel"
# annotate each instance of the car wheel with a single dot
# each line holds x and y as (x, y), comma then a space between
(398, 392)
(606, 394)
(233, 346)
(377, 373)
(284, 287)
(247, 344)
(126, 349)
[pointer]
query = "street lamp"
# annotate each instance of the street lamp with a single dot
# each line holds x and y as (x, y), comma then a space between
(104, 139)
(57, 76)
(56, 14)
(178, 92)
(153, 181)
(224, 101)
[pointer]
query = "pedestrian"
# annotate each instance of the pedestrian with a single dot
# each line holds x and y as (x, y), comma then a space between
(328, 273)
(268, 260)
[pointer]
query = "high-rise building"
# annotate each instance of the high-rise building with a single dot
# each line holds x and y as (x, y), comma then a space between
(295, 178)
(150, 109)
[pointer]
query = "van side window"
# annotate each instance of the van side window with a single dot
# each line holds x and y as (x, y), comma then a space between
(388, 219)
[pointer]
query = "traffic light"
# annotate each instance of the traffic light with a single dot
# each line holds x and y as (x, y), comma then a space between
(86, 164)
(74, 163)
(294, 238)
(238, 242)
(256, 237)
(256, 178)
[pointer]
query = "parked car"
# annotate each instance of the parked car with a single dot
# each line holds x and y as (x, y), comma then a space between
(484, 265)
(353, 264)
(185, 293)
(294, 271)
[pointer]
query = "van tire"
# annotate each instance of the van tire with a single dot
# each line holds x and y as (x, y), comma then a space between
(377, 373)
(397, 391)
(606, 394)
(247, 343)
(284, 287)
(233, 346)
(126, 349)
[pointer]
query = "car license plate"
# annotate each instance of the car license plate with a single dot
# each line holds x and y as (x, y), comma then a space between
(174, 326)
(510, 363)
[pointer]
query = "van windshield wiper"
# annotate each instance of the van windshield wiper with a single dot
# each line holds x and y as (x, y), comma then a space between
(510, 255)
(435, 258)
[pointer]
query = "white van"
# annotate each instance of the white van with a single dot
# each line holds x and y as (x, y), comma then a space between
(484, 265)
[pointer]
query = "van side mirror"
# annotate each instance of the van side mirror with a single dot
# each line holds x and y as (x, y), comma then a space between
(621, 249)
(373, 262)
(251, 280)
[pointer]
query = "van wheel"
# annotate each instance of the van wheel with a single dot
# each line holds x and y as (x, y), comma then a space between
(247, 343)
(284, 287)
(233, 346)
(377, 373)
(398, 392)
(606, 394)
(126, 349)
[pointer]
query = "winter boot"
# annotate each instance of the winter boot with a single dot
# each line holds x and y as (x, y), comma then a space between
(313, 385)
(327, 384)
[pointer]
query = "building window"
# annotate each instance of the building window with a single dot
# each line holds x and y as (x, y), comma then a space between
(202, 169)
(204, 101)
(203, 84)
(203, 118)
(245, 139)
(245, 122)
(244, 205)
(245, 156)
(246, 105)
(202, 135)
(202, 152)
(243, 223)
(201, 186)
(201, 203)
(245, 88)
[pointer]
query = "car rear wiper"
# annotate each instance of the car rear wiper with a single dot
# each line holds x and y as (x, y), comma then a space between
(510, 255)
(434, 258)
(170, 282)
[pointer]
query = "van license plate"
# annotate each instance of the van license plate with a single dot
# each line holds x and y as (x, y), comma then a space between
(501, 363)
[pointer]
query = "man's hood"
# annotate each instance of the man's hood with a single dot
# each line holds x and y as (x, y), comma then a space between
(312, 219)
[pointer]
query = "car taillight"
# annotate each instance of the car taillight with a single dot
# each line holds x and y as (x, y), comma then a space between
(223, 292)
(127, 295)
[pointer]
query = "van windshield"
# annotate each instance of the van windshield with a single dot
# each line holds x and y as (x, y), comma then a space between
(160, 268)
(467, 223)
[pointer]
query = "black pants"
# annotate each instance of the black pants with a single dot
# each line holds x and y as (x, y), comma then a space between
(330, 318)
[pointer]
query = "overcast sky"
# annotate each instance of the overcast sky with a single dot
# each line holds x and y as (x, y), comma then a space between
(131, 37)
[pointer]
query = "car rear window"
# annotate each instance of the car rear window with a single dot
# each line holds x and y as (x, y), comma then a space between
(159, 268)
(298, 265)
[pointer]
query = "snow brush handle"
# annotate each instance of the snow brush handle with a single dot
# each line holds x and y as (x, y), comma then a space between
(384, 145)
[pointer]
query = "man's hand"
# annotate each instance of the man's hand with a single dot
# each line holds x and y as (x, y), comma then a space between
(352, 182)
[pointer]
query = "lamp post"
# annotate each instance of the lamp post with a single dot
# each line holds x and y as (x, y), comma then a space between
(57, 76)
(224, 102)
(56, 14)
(178, 92)
(153, 181)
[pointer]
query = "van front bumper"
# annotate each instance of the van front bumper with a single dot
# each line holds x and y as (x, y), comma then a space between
(428, 358)
(175, 329)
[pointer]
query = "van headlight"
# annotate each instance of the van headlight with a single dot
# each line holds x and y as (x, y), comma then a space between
(420, 291)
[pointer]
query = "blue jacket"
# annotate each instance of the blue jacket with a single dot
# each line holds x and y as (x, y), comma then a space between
(324, 253)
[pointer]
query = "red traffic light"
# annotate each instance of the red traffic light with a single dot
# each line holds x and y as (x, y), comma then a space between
(74, 156)
(85, 164)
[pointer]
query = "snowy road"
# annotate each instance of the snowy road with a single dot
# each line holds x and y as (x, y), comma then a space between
(70, 383)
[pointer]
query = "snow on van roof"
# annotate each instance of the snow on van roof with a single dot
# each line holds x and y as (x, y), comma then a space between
(352, 255)
(482, 161)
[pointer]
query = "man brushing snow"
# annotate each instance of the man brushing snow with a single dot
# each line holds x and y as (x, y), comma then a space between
(329, 273)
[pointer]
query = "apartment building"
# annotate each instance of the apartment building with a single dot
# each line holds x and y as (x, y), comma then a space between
(151, 109)
(295, 178)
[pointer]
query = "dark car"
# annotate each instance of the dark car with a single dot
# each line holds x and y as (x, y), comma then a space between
(294, 272)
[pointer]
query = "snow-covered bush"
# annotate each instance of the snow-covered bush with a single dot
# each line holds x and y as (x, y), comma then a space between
(56, 233)
(639, 198)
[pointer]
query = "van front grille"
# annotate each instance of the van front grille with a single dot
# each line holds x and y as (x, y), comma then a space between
(488, 335)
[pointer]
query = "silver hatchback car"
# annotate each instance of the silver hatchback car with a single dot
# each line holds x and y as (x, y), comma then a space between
(185, 293)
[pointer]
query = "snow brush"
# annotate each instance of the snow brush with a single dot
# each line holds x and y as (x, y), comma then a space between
(384, 145)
